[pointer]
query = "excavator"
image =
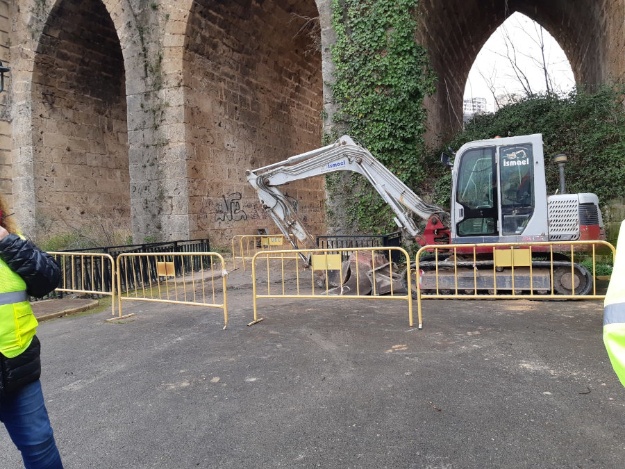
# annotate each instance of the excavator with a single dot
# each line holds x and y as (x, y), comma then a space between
(499, 195)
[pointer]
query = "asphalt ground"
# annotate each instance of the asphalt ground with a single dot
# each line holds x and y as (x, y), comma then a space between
(333, 383)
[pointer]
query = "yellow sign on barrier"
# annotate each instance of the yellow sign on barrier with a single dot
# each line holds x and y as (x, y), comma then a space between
(326, 261)
(165, 269)
(267, 241)
(245, 246)
(513, 257)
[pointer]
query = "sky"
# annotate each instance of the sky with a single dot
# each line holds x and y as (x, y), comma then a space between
(492, 62)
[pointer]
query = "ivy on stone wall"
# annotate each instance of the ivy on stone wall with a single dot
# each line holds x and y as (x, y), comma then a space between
(381, 78)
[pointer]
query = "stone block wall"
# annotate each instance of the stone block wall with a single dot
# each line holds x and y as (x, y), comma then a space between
(591, 33)
(81, 177)
(252, 96)
(614, 214)
(144, 116)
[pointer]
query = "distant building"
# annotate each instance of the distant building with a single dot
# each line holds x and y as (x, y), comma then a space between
(472, 107)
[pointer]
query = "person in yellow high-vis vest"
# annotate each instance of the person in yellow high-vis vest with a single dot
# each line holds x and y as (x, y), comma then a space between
(614, 310)
(25, 271)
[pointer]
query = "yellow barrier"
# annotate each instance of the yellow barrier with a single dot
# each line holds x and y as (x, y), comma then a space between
(189, 278)
(87, 273)
(540, 270)
(324, 275)
(244, 247)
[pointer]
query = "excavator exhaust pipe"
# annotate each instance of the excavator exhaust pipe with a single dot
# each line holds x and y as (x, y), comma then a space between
(561, 160)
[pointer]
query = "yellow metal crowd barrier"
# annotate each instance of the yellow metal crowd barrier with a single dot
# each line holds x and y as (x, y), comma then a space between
(190, 278)
(244, 247)
(349, 273)
(87, 273)
(540, 270)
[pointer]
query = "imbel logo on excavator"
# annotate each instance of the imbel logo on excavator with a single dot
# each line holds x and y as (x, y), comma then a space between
(336, 164)
(514, 159)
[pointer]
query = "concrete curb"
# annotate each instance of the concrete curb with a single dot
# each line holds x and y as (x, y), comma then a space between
(66, 311)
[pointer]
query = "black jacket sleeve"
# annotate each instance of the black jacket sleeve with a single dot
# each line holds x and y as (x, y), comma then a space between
(39, 270)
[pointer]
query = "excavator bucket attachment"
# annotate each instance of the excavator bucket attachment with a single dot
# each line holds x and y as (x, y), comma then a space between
(332, 278)
(353, 276)
(387, 280)
(362, 271)
(357, 282)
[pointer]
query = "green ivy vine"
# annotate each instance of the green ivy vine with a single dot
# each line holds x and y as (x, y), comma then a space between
(381, 78)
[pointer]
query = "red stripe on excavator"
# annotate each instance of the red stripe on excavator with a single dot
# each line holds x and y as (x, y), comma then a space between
(591, 232)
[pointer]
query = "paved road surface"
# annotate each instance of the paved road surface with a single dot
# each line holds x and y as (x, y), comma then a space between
(333, 384)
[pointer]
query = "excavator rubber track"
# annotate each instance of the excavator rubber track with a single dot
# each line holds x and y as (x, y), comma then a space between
(481, 275)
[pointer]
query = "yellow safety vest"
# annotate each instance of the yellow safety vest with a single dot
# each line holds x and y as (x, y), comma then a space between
(17, 321)
(614, 311)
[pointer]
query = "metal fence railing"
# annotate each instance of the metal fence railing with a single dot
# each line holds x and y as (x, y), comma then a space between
(106, 279)
(87, 274)
(538, 270)
(360, 241)
(189, 278)
(244, 247)
(193, 245)
(366, 275)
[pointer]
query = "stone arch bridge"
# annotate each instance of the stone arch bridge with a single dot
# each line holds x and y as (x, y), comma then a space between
(138, 116)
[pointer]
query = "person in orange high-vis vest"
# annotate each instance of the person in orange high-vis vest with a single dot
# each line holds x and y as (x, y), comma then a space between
(614, 311)
(25, 271)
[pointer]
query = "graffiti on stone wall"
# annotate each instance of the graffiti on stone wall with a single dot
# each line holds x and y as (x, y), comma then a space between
(231, 209)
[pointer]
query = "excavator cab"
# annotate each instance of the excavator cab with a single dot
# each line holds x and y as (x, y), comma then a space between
(499, 192)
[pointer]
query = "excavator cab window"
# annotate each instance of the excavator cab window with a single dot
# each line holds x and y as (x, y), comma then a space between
(477, 193)
(516, 165)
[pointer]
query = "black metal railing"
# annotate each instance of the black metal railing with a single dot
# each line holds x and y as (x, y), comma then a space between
(137, 271)
(88, 272)
(361, 241)
(94, 273)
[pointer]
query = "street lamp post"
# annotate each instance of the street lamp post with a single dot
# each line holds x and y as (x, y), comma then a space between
(3, 70)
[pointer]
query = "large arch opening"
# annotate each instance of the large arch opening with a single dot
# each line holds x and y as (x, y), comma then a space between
(80, 136)
(455, 31)
(519, 59)
(253, 96)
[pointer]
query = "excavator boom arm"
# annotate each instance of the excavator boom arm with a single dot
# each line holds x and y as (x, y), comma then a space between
(343, 155)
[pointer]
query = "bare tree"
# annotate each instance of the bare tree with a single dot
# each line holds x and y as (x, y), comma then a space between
(525, 48)
(512, 56)
(491, 80)
(542, 62)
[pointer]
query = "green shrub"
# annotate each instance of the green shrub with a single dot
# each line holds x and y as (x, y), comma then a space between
(64, 241)
(601, 268)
